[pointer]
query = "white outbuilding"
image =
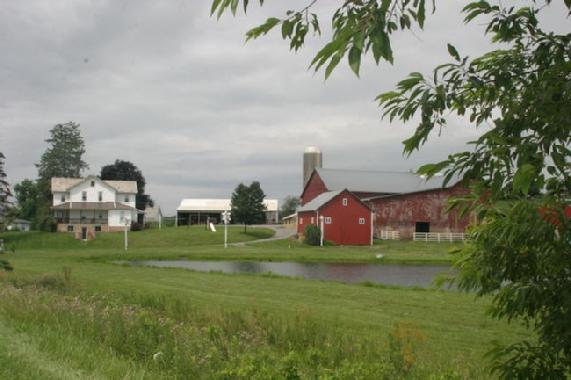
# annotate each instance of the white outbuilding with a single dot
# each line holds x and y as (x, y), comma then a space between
(198, 210)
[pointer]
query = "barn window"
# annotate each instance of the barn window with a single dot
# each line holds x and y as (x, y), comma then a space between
(92, 183)
(344, 201)
(312, 220)
(300, 220)
(62, 198)
(126, 198)
(98, 228)
(84, 196)
(100, 196)
(422, 227)
(327, 220)
(361, 220)
(70, 228)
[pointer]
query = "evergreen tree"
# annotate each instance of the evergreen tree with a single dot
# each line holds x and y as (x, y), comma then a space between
(4, 204)
(62, 158)
(5, 192)
(248, 204)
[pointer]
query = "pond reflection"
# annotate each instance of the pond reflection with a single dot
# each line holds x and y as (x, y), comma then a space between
(388, 274)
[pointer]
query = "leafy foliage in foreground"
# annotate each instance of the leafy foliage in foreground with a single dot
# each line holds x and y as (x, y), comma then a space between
(519, 169)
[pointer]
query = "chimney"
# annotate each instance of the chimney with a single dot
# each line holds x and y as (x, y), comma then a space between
(312, 159)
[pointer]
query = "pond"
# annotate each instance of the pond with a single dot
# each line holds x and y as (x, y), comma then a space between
(387, 274)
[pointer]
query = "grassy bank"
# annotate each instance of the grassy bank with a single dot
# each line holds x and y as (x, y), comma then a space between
(196, 243)
(68, 313)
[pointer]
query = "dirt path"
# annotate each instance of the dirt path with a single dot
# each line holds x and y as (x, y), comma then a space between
(280, 233)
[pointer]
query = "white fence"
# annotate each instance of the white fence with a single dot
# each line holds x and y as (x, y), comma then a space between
(390, 235)
(439, 236)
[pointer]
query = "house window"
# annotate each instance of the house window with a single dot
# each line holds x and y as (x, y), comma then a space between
(361, 220)
(344, 201)
(126, 198)
(100, 196)
(70, 228)
(312, 220)
(92, 183)
(122, 217)
(84, 196)
(327, 220)
(300, 220)
(98, 228)
(62, 198)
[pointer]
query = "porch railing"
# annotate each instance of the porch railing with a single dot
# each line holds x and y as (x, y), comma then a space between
(81, 220)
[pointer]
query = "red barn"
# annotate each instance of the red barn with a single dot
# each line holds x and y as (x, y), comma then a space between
(401, 201)
(347, 220)
(422, 211)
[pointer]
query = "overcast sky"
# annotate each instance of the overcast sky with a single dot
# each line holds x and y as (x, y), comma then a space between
(178, 93)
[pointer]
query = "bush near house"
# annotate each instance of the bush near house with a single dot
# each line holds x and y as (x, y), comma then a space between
(312, 235)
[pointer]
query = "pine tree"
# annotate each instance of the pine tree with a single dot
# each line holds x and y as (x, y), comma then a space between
(63, 158)
(4, 204)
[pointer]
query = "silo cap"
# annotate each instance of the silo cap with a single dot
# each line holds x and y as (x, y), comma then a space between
(311, 149)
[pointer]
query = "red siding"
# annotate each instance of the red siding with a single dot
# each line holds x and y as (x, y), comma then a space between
(313, 188)
(344, 228)
(401, 212)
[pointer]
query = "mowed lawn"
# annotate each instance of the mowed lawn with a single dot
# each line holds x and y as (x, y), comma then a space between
(142, 322)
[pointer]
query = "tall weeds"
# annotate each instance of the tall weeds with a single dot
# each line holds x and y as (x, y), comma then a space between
(172, 337)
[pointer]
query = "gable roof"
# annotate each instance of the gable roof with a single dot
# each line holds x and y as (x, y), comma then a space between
(61, 184)
(377, 181)
(317, 202)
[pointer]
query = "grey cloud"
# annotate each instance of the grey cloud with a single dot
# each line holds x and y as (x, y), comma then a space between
(182, 96)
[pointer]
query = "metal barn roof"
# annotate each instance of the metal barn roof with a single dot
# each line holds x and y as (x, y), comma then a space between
(217, 205)
(316, 203)
(377, 182)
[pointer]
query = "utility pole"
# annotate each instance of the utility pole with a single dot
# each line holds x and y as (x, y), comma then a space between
(226, 219)
(126, 236)
(322, 230)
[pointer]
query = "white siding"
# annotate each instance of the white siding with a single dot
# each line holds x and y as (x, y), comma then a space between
(121, 199)
(115, 217)
(92, 192)
(57, 198)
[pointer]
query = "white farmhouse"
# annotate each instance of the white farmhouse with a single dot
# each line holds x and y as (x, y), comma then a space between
(88, 205)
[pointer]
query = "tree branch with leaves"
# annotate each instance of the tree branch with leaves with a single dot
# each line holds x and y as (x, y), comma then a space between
(519, 169)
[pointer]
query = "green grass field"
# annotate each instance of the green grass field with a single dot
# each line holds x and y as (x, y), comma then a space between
(68, 312)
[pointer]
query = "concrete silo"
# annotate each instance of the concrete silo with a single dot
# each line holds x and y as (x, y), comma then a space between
(312, 159)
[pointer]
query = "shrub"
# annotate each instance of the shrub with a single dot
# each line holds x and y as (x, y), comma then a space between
(136, 226)
(312, 235)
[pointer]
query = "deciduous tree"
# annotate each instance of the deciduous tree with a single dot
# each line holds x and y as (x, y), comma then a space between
(26, 194)
(248, 204)
(122, 170)
(289, 205)
(519, 169)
